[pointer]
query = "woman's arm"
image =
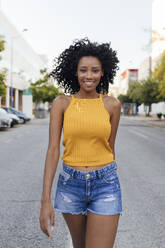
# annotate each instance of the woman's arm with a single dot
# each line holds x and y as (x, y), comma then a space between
(52, 157)
(114, 119)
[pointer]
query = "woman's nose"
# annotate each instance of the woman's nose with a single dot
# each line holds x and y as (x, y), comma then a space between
(89, 75)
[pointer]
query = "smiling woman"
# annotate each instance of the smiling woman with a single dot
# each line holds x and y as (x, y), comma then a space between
(88, 190)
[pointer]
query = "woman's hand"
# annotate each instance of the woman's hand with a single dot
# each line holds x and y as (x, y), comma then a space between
(46, 215)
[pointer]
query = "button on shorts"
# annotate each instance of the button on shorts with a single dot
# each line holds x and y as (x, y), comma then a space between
(97, 191)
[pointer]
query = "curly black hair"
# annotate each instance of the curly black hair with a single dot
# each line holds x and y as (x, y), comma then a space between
(65, 66)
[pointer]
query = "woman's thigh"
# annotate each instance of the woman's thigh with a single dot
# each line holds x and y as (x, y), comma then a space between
(101, 230)
(77, 227)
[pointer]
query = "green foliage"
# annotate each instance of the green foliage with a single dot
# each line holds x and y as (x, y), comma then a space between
(159, 72)
(124, 99)
(161, 90)
(2, 72)
(2, 44)
(2, 83)
(149, 92)
(134, 92)
(145, 91)
(50, 92)
(43, 90)
(159, 77)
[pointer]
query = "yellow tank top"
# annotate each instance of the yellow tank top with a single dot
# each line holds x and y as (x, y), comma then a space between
(86, 130)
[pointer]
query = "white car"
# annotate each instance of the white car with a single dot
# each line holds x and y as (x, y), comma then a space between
(15, 119)
(5, 120)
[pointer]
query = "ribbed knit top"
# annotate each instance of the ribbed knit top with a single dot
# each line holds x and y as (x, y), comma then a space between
(86, 130)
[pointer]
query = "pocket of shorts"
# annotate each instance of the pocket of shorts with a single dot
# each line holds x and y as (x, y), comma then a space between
(64, 176)
(110, 177)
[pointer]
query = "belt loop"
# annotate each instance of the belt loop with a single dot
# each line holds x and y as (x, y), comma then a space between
(73, 173)
(115, 165)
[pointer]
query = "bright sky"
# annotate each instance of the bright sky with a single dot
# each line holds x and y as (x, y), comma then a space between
(54, 24)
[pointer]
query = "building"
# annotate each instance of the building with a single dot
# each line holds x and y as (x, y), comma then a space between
(22, 64)
(158, 30)
(114, 90)
(145, 68)
(158, 39)
(158, 47)
(129, 75)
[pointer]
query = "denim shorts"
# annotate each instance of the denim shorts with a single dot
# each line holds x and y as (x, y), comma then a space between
(97, 191)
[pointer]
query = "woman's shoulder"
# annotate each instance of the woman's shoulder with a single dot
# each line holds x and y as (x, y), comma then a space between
(62, 99)
(111, 100)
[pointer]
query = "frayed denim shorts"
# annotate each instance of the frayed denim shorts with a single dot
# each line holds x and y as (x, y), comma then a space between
(97, 191)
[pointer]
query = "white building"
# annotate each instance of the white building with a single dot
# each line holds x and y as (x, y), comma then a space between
(129, 75)
(158, 39)
(158, 46)
(114, 90)
(145, 68)
(23, 65)
(158, 29)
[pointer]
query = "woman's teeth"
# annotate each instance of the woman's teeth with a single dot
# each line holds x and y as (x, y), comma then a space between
(88, 83)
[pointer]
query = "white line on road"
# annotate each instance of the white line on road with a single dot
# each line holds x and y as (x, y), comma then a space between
(138, 133)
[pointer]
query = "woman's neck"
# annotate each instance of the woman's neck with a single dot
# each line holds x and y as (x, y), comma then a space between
(82, 94)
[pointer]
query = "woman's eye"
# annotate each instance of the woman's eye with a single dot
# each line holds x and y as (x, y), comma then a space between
(84, 71)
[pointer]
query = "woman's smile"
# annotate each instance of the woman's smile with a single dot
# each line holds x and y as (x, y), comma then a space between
(88, 83)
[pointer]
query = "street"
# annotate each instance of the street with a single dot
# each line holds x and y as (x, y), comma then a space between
(22, 157)
(141, 169)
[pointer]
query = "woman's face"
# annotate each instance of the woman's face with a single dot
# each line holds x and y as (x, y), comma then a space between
(89, 72)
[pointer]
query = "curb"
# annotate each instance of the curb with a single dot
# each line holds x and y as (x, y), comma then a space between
(153, 122)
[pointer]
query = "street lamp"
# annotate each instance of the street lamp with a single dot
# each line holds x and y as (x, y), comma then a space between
(11, 67)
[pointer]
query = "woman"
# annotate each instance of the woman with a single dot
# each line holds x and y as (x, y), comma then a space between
(88, 190)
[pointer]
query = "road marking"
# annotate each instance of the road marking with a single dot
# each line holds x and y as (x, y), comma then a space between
(137, 133)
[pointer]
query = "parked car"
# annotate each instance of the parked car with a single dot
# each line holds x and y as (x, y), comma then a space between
(5, 120)
(15, 119)
(19, 114)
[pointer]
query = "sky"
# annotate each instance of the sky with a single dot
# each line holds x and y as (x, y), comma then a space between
(53, 25)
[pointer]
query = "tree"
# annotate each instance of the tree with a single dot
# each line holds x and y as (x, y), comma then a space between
(134, 92)
(149, 93)
(161, 90)
(2, 83)
(159, 72)
(159, 77)
(2, 72)
(50, 92)
(2, 44)
(43, 90)
(124, 99)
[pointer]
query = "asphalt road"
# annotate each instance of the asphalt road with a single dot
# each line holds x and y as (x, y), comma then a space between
(141, 169)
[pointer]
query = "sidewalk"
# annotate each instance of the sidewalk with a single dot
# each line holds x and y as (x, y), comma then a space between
(150, 121)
